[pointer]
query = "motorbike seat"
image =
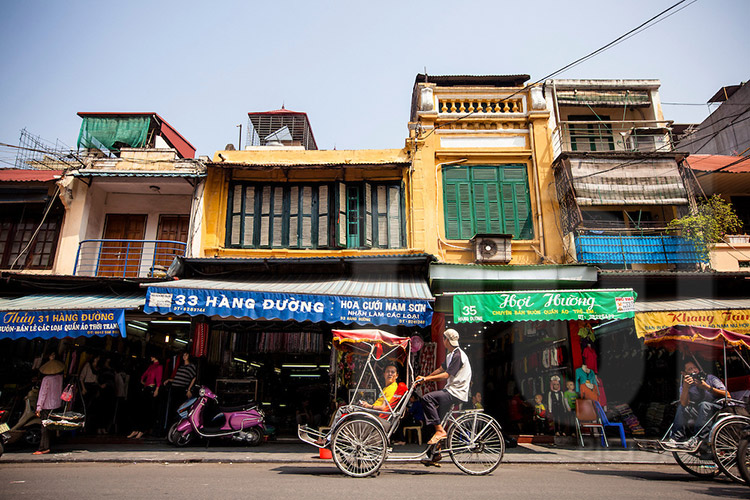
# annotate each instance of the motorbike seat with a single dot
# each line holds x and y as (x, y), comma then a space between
(247, 406)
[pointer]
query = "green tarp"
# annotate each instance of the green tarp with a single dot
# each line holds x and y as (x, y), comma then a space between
(114, 133)
(544, 305)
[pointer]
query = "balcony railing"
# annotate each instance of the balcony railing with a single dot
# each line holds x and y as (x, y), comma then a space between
(625, 250)
(126, 258)
(644, 136)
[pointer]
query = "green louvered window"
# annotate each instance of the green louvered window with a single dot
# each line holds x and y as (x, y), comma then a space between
(487, 199)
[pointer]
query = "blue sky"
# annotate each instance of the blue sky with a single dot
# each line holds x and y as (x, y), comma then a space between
(350, 65)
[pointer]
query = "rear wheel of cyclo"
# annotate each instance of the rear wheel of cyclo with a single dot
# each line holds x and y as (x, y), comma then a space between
(695, 465)
(725, 439)
(475, 443)
(358, 447)
(743, 458)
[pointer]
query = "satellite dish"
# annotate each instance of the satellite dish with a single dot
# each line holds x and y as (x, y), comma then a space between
(416, 343)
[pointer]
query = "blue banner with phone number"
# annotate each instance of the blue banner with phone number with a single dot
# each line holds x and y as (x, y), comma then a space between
(61, 324)
(266, 305)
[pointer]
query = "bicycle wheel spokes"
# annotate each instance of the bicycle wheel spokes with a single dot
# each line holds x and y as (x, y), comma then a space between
(476, 444)
(724, 443)
(358, 448)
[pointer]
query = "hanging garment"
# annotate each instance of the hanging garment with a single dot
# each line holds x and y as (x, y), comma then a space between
(590, 358)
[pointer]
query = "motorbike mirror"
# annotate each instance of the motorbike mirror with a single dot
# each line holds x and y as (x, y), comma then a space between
(202, 392)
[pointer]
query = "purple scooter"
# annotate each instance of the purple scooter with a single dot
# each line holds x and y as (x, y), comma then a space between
(203, 417)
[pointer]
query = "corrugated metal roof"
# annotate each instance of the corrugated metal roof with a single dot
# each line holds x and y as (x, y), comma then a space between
(603, 98)
(309, 164)
(473, 80)
(720, 163)
(28, 175)
(66, 302)
(690, 304)
(363, 285)
(136, 173)
(396, 257)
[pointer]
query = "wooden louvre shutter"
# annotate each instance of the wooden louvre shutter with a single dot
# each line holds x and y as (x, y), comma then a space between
(486, 200)
(235, 215)
(457, 201)
(341, 213)
(516, 203)
(248, 211)
(323, 216)
(394, 217)
(265, 216)
(294, 217)
(306, 207)
(368, 214)
(381, 203)
(277, 217)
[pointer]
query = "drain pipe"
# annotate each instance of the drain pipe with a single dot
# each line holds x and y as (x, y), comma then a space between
(537, 192)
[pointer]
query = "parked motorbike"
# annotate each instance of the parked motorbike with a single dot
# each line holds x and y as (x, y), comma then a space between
(28, 428)
(4, 437)
(202, 417)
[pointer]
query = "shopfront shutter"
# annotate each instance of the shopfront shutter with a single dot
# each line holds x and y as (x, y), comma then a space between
(368, 215)
(323, 216)
(341, 214)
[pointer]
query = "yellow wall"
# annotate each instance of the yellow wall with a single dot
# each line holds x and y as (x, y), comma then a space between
(279, 165)
(427, 224)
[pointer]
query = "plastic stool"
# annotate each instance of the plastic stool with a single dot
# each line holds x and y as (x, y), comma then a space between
(413, 428)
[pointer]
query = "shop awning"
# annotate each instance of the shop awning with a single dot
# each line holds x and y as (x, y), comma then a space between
(66, 315)
(544, 305)
(722, 314)
(363, 299)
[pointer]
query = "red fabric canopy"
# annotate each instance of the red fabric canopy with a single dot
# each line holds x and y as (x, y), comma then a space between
(346, 340)
(696, 339)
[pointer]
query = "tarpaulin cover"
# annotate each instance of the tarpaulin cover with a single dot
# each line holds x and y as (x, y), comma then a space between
(113, 133)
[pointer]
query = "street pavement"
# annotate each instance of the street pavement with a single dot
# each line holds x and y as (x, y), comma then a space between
(296, 452)
(301, 481)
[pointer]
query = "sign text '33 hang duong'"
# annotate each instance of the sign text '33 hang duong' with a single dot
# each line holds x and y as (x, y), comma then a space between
(544, 305)
(266, 305)
(63, 323)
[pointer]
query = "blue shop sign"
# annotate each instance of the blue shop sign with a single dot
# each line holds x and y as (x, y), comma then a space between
(61, 324)
(283, 306)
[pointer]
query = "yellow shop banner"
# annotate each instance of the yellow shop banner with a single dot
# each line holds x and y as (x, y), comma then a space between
(734, 320)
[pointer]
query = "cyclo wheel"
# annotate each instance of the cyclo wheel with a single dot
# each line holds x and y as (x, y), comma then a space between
(725, 439)
(359, 447)
(695, 465)
(475, 443)
(743, 458)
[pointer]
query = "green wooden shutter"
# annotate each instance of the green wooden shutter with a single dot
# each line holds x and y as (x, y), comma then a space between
(265, 217)
(516, 204)
(486, 199)
(457, 203)
(340, 204)
(249, 209)
(306, 217)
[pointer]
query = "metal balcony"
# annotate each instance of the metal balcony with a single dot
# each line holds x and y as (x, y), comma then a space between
(127, 258)
(625, 250)
(643, 136)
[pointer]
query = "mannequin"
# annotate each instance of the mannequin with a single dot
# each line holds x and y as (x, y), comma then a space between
(584, 374)
(556, 405)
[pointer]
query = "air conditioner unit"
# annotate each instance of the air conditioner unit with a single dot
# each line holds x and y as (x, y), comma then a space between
(492, 248)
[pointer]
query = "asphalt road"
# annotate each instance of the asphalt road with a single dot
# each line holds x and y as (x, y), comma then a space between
(227, 481)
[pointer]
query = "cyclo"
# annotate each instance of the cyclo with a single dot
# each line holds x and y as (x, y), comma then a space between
(716, 453)
(360, 438)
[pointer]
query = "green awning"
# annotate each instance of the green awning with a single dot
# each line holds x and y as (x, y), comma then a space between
(544, 305)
